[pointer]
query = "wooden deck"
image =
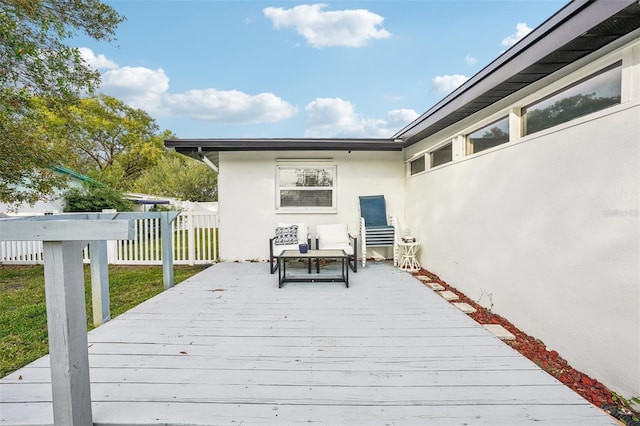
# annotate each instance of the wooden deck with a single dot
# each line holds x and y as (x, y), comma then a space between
(229, 347)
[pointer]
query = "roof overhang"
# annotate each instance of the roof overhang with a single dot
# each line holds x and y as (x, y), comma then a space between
(209, 148)
(577, 30)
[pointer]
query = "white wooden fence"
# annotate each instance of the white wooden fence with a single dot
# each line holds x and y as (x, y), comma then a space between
(195, 241)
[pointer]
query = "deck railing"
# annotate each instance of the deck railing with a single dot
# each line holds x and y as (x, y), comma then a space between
(195, 241)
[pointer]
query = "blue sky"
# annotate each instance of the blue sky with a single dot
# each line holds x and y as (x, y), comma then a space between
(254, 69)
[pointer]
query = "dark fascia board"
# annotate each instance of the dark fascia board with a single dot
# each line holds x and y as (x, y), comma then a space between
(572, 21)
(282, 144)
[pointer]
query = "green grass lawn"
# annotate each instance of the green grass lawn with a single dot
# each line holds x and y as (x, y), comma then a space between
(23, 317)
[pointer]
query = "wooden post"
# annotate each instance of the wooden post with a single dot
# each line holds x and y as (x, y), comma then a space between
(166, 235)
(64, 238)
(67, 325)
(99, 282)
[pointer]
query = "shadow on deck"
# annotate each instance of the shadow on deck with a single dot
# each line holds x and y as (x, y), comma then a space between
(228, 347)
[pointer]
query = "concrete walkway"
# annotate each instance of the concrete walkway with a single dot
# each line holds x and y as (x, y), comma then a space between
(228, 347)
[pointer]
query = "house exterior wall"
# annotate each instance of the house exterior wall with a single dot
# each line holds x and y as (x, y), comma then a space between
(52, 204)
(247, 195)
(546, 228)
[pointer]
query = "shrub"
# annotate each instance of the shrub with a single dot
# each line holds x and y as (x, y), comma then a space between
(95, 198)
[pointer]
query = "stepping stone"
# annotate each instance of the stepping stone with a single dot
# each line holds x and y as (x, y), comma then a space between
(434, 286)
(423, 278)
(465, 307)
(499, 331)
(448, 295)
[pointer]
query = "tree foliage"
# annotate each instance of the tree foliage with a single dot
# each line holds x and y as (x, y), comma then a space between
(179, 177)
(26, 160)
(95, 198)
(37, 63)
(110, 141)
(33, 52)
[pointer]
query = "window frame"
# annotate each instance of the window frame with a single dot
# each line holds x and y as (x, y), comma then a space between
(440, 148)
(525, 109)
(469, 146)
(414, 160)
(306, 209)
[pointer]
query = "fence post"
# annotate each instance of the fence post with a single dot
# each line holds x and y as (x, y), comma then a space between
(99, 282)
(191, 239)
(167, 247)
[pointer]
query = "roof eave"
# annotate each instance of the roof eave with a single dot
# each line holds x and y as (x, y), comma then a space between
(307, 144)
(566, 26)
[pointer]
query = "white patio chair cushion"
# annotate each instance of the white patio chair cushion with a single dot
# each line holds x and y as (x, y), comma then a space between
(337, 246)
(334, 237)
(278, 249)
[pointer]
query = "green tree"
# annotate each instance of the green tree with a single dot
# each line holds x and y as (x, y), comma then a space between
(179, 177)
(95, 198)
(35, 60)
(110, 141)
(26, 160)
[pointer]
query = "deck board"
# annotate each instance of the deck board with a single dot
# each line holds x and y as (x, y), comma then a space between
(229, 347)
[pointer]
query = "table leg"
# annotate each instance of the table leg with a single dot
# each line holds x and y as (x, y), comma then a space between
(345, 264)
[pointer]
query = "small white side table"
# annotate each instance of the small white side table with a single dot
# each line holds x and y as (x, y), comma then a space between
(408, 261)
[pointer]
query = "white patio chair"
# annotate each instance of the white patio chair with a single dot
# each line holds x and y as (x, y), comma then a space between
(285, 238)
(337, 237)
(375, 229)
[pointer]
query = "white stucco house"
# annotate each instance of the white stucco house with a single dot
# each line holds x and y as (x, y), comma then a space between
(523, 183)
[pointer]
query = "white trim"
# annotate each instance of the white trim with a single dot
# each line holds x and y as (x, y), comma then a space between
(515, 124)
(305, 160)
(209, 163)
(630, 74)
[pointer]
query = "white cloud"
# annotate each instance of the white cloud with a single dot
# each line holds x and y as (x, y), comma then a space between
(522, 29)
(470, 59)
(350, 28)
(148, 89)
(231, 106)
(136, 80)
(139, 87)
(96, 61)
(335, 117)
(447, 83)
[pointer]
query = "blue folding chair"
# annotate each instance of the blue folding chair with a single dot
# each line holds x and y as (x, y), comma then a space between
(375, 230)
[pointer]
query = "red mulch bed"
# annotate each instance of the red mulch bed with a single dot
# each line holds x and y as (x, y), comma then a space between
(550, 361)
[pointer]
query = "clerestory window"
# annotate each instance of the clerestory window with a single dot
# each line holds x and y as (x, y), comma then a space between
(489, 136)
(417, 165)
(441, 156)
(594, 93)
